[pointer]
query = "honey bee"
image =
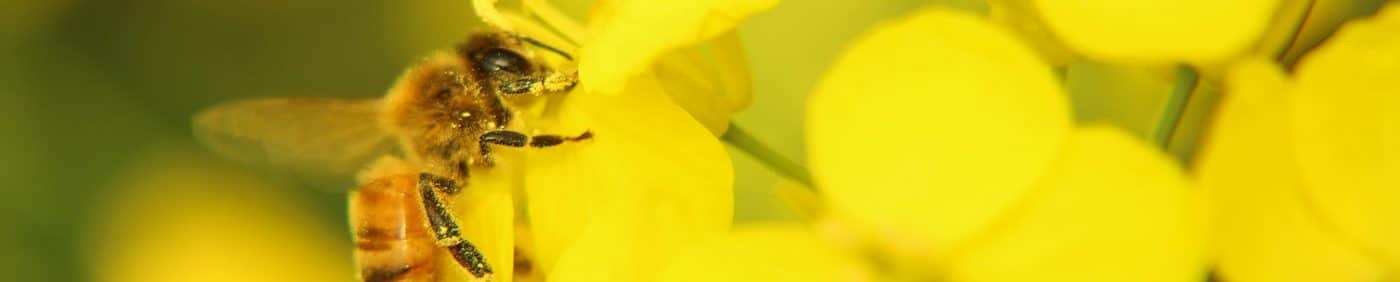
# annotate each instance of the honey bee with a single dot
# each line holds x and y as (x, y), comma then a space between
(443, 115)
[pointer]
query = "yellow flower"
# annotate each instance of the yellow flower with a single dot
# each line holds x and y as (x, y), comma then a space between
(1304, 167)
(945, 150)
(176, 215)
(1207, 34)
(1157, 31)
(691, 47)
(1147, 66)
(659, 81)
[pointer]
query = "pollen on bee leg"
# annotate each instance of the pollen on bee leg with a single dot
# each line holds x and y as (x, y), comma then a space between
(560, 81)
(449, 241)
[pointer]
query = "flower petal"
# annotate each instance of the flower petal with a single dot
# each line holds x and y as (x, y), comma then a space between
(1346, 130)
(1114, 210)
(764, 253)
(180, 216)
(1158, 31)
(629, 35)
(649, 181)
(710, 81)
(1264, 231)
(931, 126)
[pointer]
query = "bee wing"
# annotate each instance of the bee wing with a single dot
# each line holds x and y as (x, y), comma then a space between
(323, 140)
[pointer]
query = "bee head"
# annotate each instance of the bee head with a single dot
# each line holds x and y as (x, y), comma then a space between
(507, 63)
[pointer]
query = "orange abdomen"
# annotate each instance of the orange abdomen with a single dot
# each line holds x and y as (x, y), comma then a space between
(392, 242)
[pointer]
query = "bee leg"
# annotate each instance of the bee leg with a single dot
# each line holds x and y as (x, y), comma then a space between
(548, 83)
(517, 139)
(439, 183)
(518, 86)
(444, 224)
(499, 137)
(551, 140)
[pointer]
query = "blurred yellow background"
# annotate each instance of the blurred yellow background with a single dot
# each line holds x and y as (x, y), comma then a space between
(99, 172)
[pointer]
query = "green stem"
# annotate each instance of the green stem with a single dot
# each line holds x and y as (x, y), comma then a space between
(772, 159)
(1170, 117)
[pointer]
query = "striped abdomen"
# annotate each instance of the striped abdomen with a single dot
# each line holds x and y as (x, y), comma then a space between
(392, 242)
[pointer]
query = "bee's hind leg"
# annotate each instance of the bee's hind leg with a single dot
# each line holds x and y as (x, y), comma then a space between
(517, 139)
(444, 224)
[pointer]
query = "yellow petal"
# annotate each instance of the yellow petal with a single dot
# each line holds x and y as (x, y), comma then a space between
(603, 252)
(765, 253)
(929, 127)
(1264, 231)
(1114, 210)
(649, 181)
(526, 267)
(626, 38)
(1157, 31)
(1346, 128)
(710, 81)
(179, 216)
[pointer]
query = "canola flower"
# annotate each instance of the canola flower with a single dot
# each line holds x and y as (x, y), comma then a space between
(1160, 32)
(967, 169)
(1304, 164)
(659, 80)
(964, 168)
(1188, 44)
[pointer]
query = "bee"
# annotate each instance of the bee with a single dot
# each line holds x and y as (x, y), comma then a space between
(444, 116)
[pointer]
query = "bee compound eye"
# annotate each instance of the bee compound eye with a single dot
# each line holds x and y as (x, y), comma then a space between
(501, 60)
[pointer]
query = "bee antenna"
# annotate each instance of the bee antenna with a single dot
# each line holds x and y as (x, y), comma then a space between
(551, 49)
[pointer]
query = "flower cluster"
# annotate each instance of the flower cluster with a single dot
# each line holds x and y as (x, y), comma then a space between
(944, 150)
(948, 145)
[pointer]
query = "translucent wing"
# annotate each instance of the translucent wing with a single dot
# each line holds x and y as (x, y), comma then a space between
(322, 140)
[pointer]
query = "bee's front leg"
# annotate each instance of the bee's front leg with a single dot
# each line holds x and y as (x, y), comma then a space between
(517, 139)
(444, 224)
